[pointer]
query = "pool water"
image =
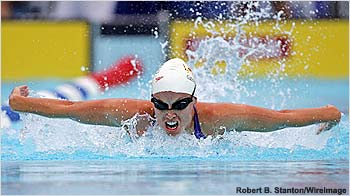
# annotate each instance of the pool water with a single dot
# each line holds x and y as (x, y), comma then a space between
(58, 156)
(167, 176)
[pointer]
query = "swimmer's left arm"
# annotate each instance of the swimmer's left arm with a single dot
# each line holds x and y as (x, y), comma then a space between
(250, 118)
(109, 112)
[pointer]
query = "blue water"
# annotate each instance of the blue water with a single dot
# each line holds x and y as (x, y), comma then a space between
(167, 176)
(57, 156)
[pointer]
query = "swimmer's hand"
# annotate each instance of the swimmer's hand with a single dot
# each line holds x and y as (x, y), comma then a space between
(325, 126)
(16, 95)
(22, 91)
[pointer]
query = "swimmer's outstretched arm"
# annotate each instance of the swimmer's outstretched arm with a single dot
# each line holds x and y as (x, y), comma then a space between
(100, 112)
(250, 118)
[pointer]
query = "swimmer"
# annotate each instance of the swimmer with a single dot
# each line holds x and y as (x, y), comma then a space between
(175, 107)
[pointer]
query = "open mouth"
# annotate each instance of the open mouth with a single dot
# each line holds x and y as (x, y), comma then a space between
(171, 125)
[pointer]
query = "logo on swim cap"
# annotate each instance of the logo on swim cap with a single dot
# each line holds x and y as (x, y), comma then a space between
(189, 71)
(190, 78)
(158, 78)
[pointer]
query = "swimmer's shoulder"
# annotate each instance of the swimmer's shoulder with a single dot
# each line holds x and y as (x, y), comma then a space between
(134, 105)
(207, 106)
(143, 106)
(215, 111)
(213, 116)
(206, 110)
(128, 101)
(207, 113)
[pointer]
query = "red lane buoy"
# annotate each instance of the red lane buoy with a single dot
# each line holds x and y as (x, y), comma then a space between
(123, 71)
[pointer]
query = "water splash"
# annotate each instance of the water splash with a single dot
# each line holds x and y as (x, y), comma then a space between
(44, 138)
(224, 54)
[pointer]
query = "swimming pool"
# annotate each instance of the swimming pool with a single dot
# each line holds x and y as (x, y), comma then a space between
(56, 156)
(167, 176)
(59, 156)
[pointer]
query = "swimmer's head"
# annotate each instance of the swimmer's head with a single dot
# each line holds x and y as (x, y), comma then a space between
(173, 89)
(175, 76)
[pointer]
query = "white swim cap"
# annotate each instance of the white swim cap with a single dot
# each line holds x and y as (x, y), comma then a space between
(175, 76)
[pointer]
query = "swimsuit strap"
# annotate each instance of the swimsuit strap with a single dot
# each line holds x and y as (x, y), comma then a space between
(197, 127)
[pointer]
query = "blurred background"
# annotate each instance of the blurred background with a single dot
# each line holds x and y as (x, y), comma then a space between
(48, 39)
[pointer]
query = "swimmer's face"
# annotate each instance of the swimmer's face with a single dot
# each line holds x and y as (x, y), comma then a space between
(173, 121)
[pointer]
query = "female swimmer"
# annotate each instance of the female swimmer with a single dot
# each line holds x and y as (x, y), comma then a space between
(174, 105)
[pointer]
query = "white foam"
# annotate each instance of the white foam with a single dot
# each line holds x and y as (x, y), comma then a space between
(5, 120)
(46, 94)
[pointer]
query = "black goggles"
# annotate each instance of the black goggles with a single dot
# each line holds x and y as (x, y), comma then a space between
(177, 105)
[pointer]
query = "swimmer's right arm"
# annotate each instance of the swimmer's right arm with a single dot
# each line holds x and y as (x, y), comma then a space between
(110, 112)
